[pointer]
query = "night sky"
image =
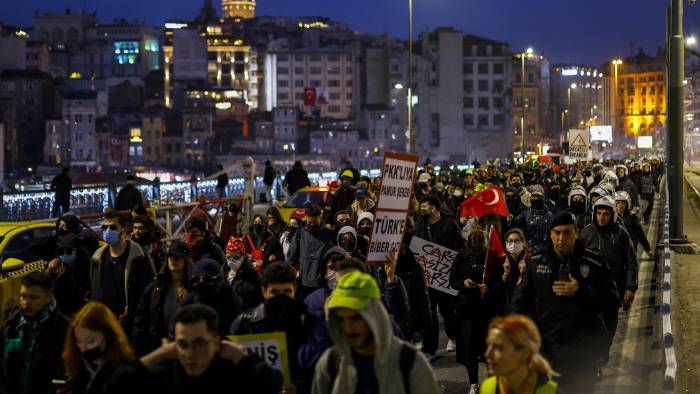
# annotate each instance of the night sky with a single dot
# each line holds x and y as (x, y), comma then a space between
(576, 31)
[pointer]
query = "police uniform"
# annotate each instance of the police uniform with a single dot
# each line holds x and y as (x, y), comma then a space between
(572, 328)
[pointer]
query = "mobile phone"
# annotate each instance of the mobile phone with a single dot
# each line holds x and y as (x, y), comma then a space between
(59, 384)
(564, 272)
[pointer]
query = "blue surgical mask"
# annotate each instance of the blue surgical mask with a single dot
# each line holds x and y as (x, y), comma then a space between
(68, 258)
(111, 236)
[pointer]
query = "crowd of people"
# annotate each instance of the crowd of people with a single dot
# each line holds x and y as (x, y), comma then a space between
(129, 312)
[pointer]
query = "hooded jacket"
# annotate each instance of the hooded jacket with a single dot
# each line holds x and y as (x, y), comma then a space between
(386, 360)
(307, 248)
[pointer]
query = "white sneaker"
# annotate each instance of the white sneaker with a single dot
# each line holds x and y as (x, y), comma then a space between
(451, 346)
(474, 389)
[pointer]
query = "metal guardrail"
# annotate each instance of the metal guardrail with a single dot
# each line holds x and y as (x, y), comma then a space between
(669, 350)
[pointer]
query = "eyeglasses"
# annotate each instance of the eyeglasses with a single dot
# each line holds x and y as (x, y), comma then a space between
(112, 227)
(197, 345)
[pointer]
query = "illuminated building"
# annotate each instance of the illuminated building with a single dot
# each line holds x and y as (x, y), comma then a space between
(212, 61)
(78, 114)
(536, 107)
(641, 95)
(243, 9)
(578, 97)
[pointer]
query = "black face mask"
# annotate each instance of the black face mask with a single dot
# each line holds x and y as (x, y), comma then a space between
(537, 203)
(578, 207)
(282, 311)
(365, 231)
(313, 226)
(92, 354)
(258, 228)
(553, 194)
(342, 223)
(423, 186)
(516, 185)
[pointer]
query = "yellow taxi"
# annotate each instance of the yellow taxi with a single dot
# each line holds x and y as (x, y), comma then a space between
(18, 241)
(293, 207)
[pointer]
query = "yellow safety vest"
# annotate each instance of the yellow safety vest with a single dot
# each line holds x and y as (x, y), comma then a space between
(490, 386)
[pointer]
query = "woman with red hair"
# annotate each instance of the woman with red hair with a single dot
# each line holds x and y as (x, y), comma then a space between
(514, 360)
(97, 356)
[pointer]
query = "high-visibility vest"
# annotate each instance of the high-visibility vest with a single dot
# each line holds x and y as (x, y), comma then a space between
(490, 386)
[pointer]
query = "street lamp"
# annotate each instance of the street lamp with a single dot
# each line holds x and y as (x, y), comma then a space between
(528, 52)
(411, 148)
(690, 41)
(568, 101)
(616, 63)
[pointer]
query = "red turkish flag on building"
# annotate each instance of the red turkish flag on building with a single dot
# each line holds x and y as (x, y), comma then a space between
(486, 202)
(309, 96)
(494, 254)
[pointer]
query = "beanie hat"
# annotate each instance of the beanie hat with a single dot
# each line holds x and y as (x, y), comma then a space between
(206, 267)
(355, 290)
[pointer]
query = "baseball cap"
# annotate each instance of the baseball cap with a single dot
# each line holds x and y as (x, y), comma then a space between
(424, 178)
(209, 267)
(361, 193)
(355, 290)
(178, 249)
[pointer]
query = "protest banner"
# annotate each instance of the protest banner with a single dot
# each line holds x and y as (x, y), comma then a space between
(579, 143)
(436, 261)
(396, 189)
(271, 347)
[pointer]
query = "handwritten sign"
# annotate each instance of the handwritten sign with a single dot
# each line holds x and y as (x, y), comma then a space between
(270, 347)
(398, 175)
(436, 261)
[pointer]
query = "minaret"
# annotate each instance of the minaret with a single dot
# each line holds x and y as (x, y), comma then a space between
(243, 9)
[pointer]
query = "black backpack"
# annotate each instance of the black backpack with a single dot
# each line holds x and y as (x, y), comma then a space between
(406, 359)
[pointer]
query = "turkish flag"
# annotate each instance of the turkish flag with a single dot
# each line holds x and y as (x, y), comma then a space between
(494, 254)
(486, 202)
(309, 96)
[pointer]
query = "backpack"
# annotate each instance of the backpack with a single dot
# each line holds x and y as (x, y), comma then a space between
(407, 357)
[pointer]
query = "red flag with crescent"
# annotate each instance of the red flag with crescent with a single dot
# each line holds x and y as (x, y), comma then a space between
(486, 202)
(309, 96)
(495, 253)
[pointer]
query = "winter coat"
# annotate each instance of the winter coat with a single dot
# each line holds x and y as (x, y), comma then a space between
(246, 284)
(634, 228)
(221, 298)
(44, 358)
(139, 272)
(386, 360)
(615, 247)
(571, 327)
(127, 198)
(413, 277)
(126, 377)
(61, 185)
(295, 179)
(307, 248)
(535, 224)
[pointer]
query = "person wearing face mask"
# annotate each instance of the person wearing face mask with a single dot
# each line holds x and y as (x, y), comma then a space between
(455, 199)
(631, 221)
(342, 218)
(287, 235)
(361, 204)
(201, 242)
(232, 221)
(577, 206)
(240, 274)
(207, 286)
(364, 231)
(31, 339)
(307, 249)
(534, 221)
(647, 187)
(70, 272)
(119, 271)
(161, 300)
(515, 263)
(513, 202)
(554, 197)
(627, 184)
(97, 357)
(347, 240)
(473, 304)
(441, 229)
(280, 311)
(342, 197)
(262, 245)
(612, 241)
(274, 224)
(424, 189)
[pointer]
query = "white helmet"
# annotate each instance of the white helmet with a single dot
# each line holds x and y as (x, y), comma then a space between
(611, 177)
(624, 196)
(597, 190)
(606, 202)
(608, 187)
(621, 167)
(578, 191)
